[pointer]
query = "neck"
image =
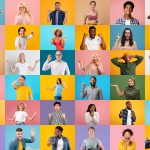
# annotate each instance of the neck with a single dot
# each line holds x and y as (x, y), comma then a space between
(127, 17)
(58, 60)
(91, 136)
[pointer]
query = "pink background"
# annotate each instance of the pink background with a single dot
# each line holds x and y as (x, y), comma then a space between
(117, 11)
(85, 56)
(31, 108)
(2, 87)
(116, 136)
(102, 107)
(12, 10)
(2, 38)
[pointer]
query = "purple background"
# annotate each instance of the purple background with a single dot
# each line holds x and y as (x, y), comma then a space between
(2, 137)
(67, 107)
(101, 132)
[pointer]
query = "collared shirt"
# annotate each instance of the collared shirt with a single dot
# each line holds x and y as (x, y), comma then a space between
(92, 93)
(57, 119)
(127, 68)
(57, 68)
(123, 145)
(122, 21)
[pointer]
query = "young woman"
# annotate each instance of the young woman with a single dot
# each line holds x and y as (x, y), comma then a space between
(126, 42)
(59, 86)
(93, 67)
(92, 116)
(92, 16)
(58, 40)
(22, 66)
(24, 16)
(20, 115)
(131, 92)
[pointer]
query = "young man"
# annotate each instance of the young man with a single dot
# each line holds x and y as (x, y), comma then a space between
(127, 19)
(21, 40)
(23, 91)
(126, 142)
(127, 67)
(58, 66)
(92, 92)
(92, 143)
(127, 114)
(58, 141)
(57, 17)
(57, 117)
(92, 42)
(20, 143)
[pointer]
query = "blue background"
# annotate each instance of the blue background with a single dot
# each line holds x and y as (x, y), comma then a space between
(47, 34)
(2, 15)
(102, 81)
(32, 81)
(147, 112)
(138, 33)
(67, 56)
(10, 134)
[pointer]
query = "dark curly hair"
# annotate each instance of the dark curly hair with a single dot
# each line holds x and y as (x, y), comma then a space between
(127, 130)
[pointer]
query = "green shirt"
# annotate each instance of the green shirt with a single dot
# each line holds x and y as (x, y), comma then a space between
(127, 68)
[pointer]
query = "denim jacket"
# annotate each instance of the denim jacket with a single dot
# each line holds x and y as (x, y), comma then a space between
(66, 145)
(14, 144)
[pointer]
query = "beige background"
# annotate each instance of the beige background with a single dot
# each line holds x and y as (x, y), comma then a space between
(102, 6)
(2, 60)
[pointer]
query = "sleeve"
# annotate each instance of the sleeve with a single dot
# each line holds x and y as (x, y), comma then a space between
(30, 91)
(17, 42)
(65, 121)
(83, 93)
(96, 118)
(86, 42)
(67, 69)
(83, 146)
(116, 62)
(16, 19)
(87, 118)
(99, 143)
(139, 59)
(25, 114)
(46, 66)
(68, 145)
(11, 147)
(29, 140)
(100, 94)
(51, 15)
(50, 120)
(30, 36)
(133, 116)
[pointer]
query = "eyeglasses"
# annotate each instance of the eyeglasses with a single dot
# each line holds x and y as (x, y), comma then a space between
(58, 54)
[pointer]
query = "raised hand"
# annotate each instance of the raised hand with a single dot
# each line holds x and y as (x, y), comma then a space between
(32, 133)
(49, 115)
(49, 57)
(83, 85)
(64, 116)
(37, 61)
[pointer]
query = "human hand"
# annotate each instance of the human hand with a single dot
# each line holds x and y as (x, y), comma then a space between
(85, 35)
(49, 115)
(49, 57)
(83, 85)
(114, 85)
(32, 133)
(63, 116)
(37, 61)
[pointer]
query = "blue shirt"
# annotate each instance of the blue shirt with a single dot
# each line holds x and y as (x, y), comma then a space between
(58, 90)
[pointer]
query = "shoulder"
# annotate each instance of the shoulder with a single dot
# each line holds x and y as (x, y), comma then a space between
(11, 144)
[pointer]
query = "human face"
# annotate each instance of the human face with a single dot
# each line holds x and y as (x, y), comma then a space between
(22, 9)
(130, 82)
(127, 136)
(129, 105)
(58, 32)
(22, 81)
(127, 58)
(92, 33)
(94, 58)
(22, 32)
(92, 6)
(92, 108)
(92, 82)
(57, 133)
(128, 10)
(57, 107)
(127, 34)
(22, 56)
(21, 107)
(91, 132)
(58, 56)
(57, 6)
(19, 135)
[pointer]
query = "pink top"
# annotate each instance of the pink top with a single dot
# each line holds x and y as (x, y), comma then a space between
(58, 45)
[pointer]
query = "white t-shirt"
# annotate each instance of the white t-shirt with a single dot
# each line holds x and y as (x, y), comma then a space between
(129, 120)
(20, 116)
(127, 22)
(60, 144)
(93, 44)
(22, 68)
(89, 120)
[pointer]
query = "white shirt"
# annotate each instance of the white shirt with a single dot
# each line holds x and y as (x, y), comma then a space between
(129, 120)
(60, 144)
(22, 41)
(127, 22)
(57, 68)
(20, 116)
(93, 44)
(89, 119)
(22, 68)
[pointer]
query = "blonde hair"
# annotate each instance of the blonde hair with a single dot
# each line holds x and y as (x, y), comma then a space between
(19, 58)
(24, 106)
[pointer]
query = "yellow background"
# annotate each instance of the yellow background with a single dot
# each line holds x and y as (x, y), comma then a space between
(12, 33)
(147, 133)
(116, 106)
(2, 112)
(66, 5)
(50, 81)
(147, 39)
(114, 70)
(101, 29)
(147, 89)
(47, 131)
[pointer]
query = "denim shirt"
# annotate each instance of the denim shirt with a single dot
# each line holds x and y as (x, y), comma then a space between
(61, 17)
(66, 145)
(14, 144)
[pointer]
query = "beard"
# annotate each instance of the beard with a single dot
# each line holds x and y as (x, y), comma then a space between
(93, 84)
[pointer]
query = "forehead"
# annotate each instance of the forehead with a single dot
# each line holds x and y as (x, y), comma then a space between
(56, 105)
(19, 132)
(127, 31)
(92, 30)
(128, 5)
(91, 130)
(58, 53)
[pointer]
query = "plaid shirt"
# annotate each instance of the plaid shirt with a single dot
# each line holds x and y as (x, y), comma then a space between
(122, 20)
(125, 115)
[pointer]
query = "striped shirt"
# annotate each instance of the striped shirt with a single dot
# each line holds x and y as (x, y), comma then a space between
(57, 118)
